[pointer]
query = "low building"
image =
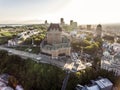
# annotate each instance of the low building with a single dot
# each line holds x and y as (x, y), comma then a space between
(116, 47)
(111, 62)
(100, 84)
(73, 33)
(12, 42)
(56, 43)
(82, 36)
(4, 82)
(104, 84)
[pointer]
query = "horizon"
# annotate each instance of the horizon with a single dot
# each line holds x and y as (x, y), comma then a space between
(81, 11)
(30, 23)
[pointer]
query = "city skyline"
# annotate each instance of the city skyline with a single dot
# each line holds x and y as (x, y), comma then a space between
(81, 11)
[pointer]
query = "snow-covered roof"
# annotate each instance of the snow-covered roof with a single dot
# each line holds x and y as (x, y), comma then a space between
(73, 32)
(94, 87)
(106, 53)
(103, 83)
(6, 88)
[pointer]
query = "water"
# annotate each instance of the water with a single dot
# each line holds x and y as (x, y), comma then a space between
(12, 25)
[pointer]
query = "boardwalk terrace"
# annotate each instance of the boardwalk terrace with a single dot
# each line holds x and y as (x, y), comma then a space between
(56, 44)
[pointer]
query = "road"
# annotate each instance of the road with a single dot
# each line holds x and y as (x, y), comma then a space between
(75, 67)
(39, 58)
(65, 81)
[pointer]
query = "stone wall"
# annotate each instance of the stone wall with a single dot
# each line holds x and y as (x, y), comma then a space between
(55, 53)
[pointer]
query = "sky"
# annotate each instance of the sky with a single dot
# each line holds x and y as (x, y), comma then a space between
(81, 11)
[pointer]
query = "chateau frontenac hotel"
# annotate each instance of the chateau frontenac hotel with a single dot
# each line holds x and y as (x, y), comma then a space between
(56, 43)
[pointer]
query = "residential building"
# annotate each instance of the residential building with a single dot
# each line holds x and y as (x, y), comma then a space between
(4, 83)
(12, 42)
(100, 84)
(73, 33)
(111, 61)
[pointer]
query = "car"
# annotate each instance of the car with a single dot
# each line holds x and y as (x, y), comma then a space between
(29, 50)
(9, 51)
(38, 58)
(88, 64)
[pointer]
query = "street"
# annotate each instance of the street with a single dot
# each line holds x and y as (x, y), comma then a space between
(39, 58)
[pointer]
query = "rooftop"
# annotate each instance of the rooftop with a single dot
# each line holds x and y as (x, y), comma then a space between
(54, 27)
(94, 87)
(103, 83)
(99, 25)
(99, 84)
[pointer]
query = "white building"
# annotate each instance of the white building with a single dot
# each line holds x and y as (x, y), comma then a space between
(112, 62)
(4, 82)
(6, 88)
(83, 36)
(73, 33)
(116, 47)
(100, 84)
(12, 43)
(27, 34)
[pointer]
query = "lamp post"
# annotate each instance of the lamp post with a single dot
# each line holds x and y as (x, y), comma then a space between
(81, 51)
(32, 41)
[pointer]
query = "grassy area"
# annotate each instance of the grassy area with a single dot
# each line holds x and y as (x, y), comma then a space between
(6, 33)
(5, 36)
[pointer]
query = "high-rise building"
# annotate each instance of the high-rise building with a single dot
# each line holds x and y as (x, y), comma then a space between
(99, 30)
(46, 22)
(71, 22)
(62, 21)
(88, 27)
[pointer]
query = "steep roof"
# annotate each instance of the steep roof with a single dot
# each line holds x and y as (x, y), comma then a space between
(55, 27)
(99, 25)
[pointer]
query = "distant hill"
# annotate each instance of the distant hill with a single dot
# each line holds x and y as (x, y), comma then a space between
(32, 22)
(112, 25)
(22, 22)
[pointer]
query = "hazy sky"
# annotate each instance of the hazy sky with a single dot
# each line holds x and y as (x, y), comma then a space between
(82, 11)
